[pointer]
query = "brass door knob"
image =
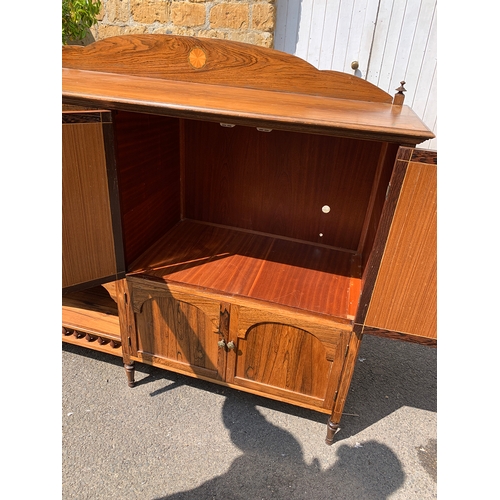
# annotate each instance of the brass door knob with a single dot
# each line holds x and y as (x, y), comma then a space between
(355, 65)
(230, 345)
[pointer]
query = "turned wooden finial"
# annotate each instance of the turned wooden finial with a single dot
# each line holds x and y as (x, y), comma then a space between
(399, 97)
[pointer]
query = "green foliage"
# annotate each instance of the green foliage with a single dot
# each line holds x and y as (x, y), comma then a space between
(77, 17)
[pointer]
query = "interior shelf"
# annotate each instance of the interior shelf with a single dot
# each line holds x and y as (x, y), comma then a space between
(91, 311)
(306, 276)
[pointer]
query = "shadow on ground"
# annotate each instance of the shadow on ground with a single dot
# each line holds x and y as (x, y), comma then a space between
(272, 466)
(389, 375)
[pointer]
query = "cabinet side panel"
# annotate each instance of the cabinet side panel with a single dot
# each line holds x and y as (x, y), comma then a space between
(379, 197)
(87, 232)
(404, 297)
(148, 164)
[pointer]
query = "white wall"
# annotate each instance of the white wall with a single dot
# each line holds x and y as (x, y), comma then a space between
(392, 40)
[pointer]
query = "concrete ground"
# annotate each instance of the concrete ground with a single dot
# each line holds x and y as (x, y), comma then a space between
(173, 437)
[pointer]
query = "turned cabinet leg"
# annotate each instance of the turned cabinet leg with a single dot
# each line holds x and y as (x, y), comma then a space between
(333, 425)
(331, 429)
(130, 371)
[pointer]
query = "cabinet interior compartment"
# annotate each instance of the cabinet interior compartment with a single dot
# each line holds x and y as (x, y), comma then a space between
(279, 216)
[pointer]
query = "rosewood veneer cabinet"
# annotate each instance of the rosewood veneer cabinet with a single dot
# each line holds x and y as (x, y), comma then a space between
(234, 214)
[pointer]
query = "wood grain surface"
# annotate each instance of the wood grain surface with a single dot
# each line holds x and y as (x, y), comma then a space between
(404, 299)
(178, 334)
(246, 248)
(220, 62)
(277, 182)
(148, 170)
(245, 106)
(88, 251)
(283, 357)
(235, 262)
(370, 270)
(91, 311)
(290, 357)
(296, 357)
(236, 82)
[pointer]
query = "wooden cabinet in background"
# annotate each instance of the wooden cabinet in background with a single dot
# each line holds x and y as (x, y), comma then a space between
(242, 218)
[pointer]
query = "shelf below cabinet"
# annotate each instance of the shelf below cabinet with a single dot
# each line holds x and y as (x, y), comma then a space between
(90, 319)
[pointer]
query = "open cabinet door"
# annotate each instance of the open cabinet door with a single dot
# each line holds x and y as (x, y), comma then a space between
(92, 249)
(403, 272)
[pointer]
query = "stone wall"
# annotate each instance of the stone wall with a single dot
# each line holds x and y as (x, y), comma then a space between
(250, 21)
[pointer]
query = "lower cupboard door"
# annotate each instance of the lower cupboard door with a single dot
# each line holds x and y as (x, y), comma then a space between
(179, 336)
(288, 364)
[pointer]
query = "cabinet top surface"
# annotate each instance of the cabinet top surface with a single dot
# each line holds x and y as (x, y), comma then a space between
(232, 82)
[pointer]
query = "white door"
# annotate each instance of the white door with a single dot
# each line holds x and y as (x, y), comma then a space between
(391, 40)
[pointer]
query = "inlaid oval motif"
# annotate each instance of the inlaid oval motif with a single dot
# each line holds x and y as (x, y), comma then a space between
(197, 58)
